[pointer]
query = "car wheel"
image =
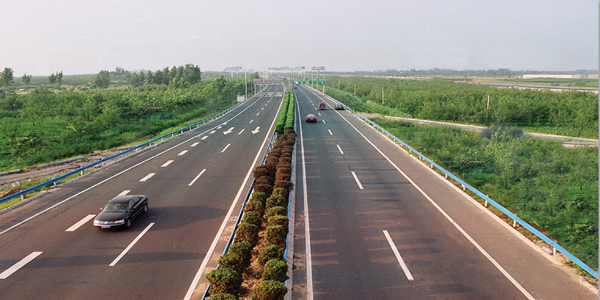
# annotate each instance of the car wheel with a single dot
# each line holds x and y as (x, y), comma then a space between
(128, 223)
(145, 208)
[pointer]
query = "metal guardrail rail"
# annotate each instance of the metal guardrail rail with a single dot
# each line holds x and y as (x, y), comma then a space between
(465, 185)
(59, 178)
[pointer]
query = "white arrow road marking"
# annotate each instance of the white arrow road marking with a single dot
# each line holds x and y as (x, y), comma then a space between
(182, 153)
(197, 177)
(20, 264)
(147, 177)
(357, 181)
(257, 130)
(112, 264)
(230, 130)
(167, 163)
(241, 132)
(400, 260)
(225, 148)
(80, 223)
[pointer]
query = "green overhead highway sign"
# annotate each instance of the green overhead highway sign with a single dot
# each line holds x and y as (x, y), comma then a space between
(322, 81)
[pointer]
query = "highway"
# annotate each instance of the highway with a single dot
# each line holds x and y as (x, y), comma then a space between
(50, 250)
(372, 222)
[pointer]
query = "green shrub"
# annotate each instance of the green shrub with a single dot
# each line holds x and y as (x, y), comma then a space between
(288, 185)
(276, 269)
(252, 217)
(270, 252)
(276, 211)
(280, 191)
(224, 280)
(247, 232)
(232, 261)
(256, 206)
(223, 296)
(279, 220)
(275, 235)
(276, 200)
(244, 250)
(262, 197)
(269, 290)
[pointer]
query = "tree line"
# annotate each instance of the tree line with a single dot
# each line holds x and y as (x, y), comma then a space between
(43, 125)
(571, 113)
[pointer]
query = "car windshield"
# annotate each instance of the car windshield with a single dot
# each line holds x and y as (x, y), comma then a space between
(115, 207)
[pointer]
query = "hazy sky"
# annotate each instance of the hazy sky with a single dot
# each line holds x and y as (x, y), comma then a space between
(40, 37)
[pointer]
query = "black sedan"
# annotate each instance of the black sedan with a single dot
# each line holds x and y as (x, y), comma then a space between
(121, 210)
(339, 106)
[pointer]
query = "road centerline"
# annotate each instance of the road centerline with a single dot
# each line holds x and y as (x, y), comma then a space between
(397, 253)
(357, 181)
(340, 148)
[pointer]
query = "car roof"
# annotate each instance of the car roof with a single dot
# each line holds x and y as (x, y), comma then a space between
(126, 198)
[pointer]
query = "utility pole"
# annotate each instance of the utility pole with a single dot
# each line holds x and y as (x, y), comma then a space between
(382, 99)
(487, 109)
(245, 86)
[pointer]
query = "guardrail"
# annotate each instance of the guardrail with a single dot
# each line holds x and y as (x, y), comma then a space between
(239, 218)
(487, 199)
(80, 170)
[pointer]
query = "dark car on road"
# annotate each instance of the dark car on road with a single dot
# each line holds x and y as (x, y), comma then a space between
(321, 105)
(121, 211)
(310, 118)
(339, 106)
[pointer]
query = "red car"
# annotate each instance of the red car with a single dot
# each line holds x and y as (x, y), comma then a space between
(310, 118)
(321, 105)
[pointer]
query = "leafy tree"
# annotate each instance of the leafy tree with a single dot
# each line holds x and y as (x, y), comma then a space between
(7, 77)
(102, 80)
(26, 79)
(52, 79)
(59, 77)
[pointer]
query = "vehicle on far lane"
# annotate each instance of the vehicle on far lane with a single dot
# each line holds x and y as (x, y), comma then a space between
(121, 211)
(310, 118)
(339, 106)
(321, 106)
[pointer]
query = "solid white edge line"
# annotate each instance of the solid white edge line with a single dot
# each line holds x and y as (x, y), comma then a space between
(123, 193)
(225, 148)
(112, 264)
(196, 279)
(309, 279)
(357, 181)
(197, 177)
(80, 223)
(20, 264)
(147, 177)
(490, 258)
(167, 163)
(397, 253)
(111, 177)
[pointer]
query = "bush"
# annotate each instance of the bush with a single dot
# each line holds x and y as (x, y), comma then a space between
(270, 252)
(283, 170)
(269, 290)
(262, 197)
(247, 232)
(276, 269)
(276, 211)
(252, 217)
(284, 161)
(279, 220)
(224, 280)
(232, 261)
(276, 200)
(284, 177)
(223, 296)
(260, 171)
(288, 185)
(256, 206)
(244, 250)
(264, 188)
(265, 180)
(280, 191)
(275, 235)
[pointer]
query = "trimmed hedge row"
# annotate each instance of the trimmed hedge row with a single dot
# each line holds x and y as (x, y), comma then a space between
(266, 209)
(285, 120)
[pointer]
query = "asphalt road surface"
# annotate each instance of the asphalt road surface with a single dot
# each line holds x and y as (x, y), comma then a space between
(49, 248)
(374, 223)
